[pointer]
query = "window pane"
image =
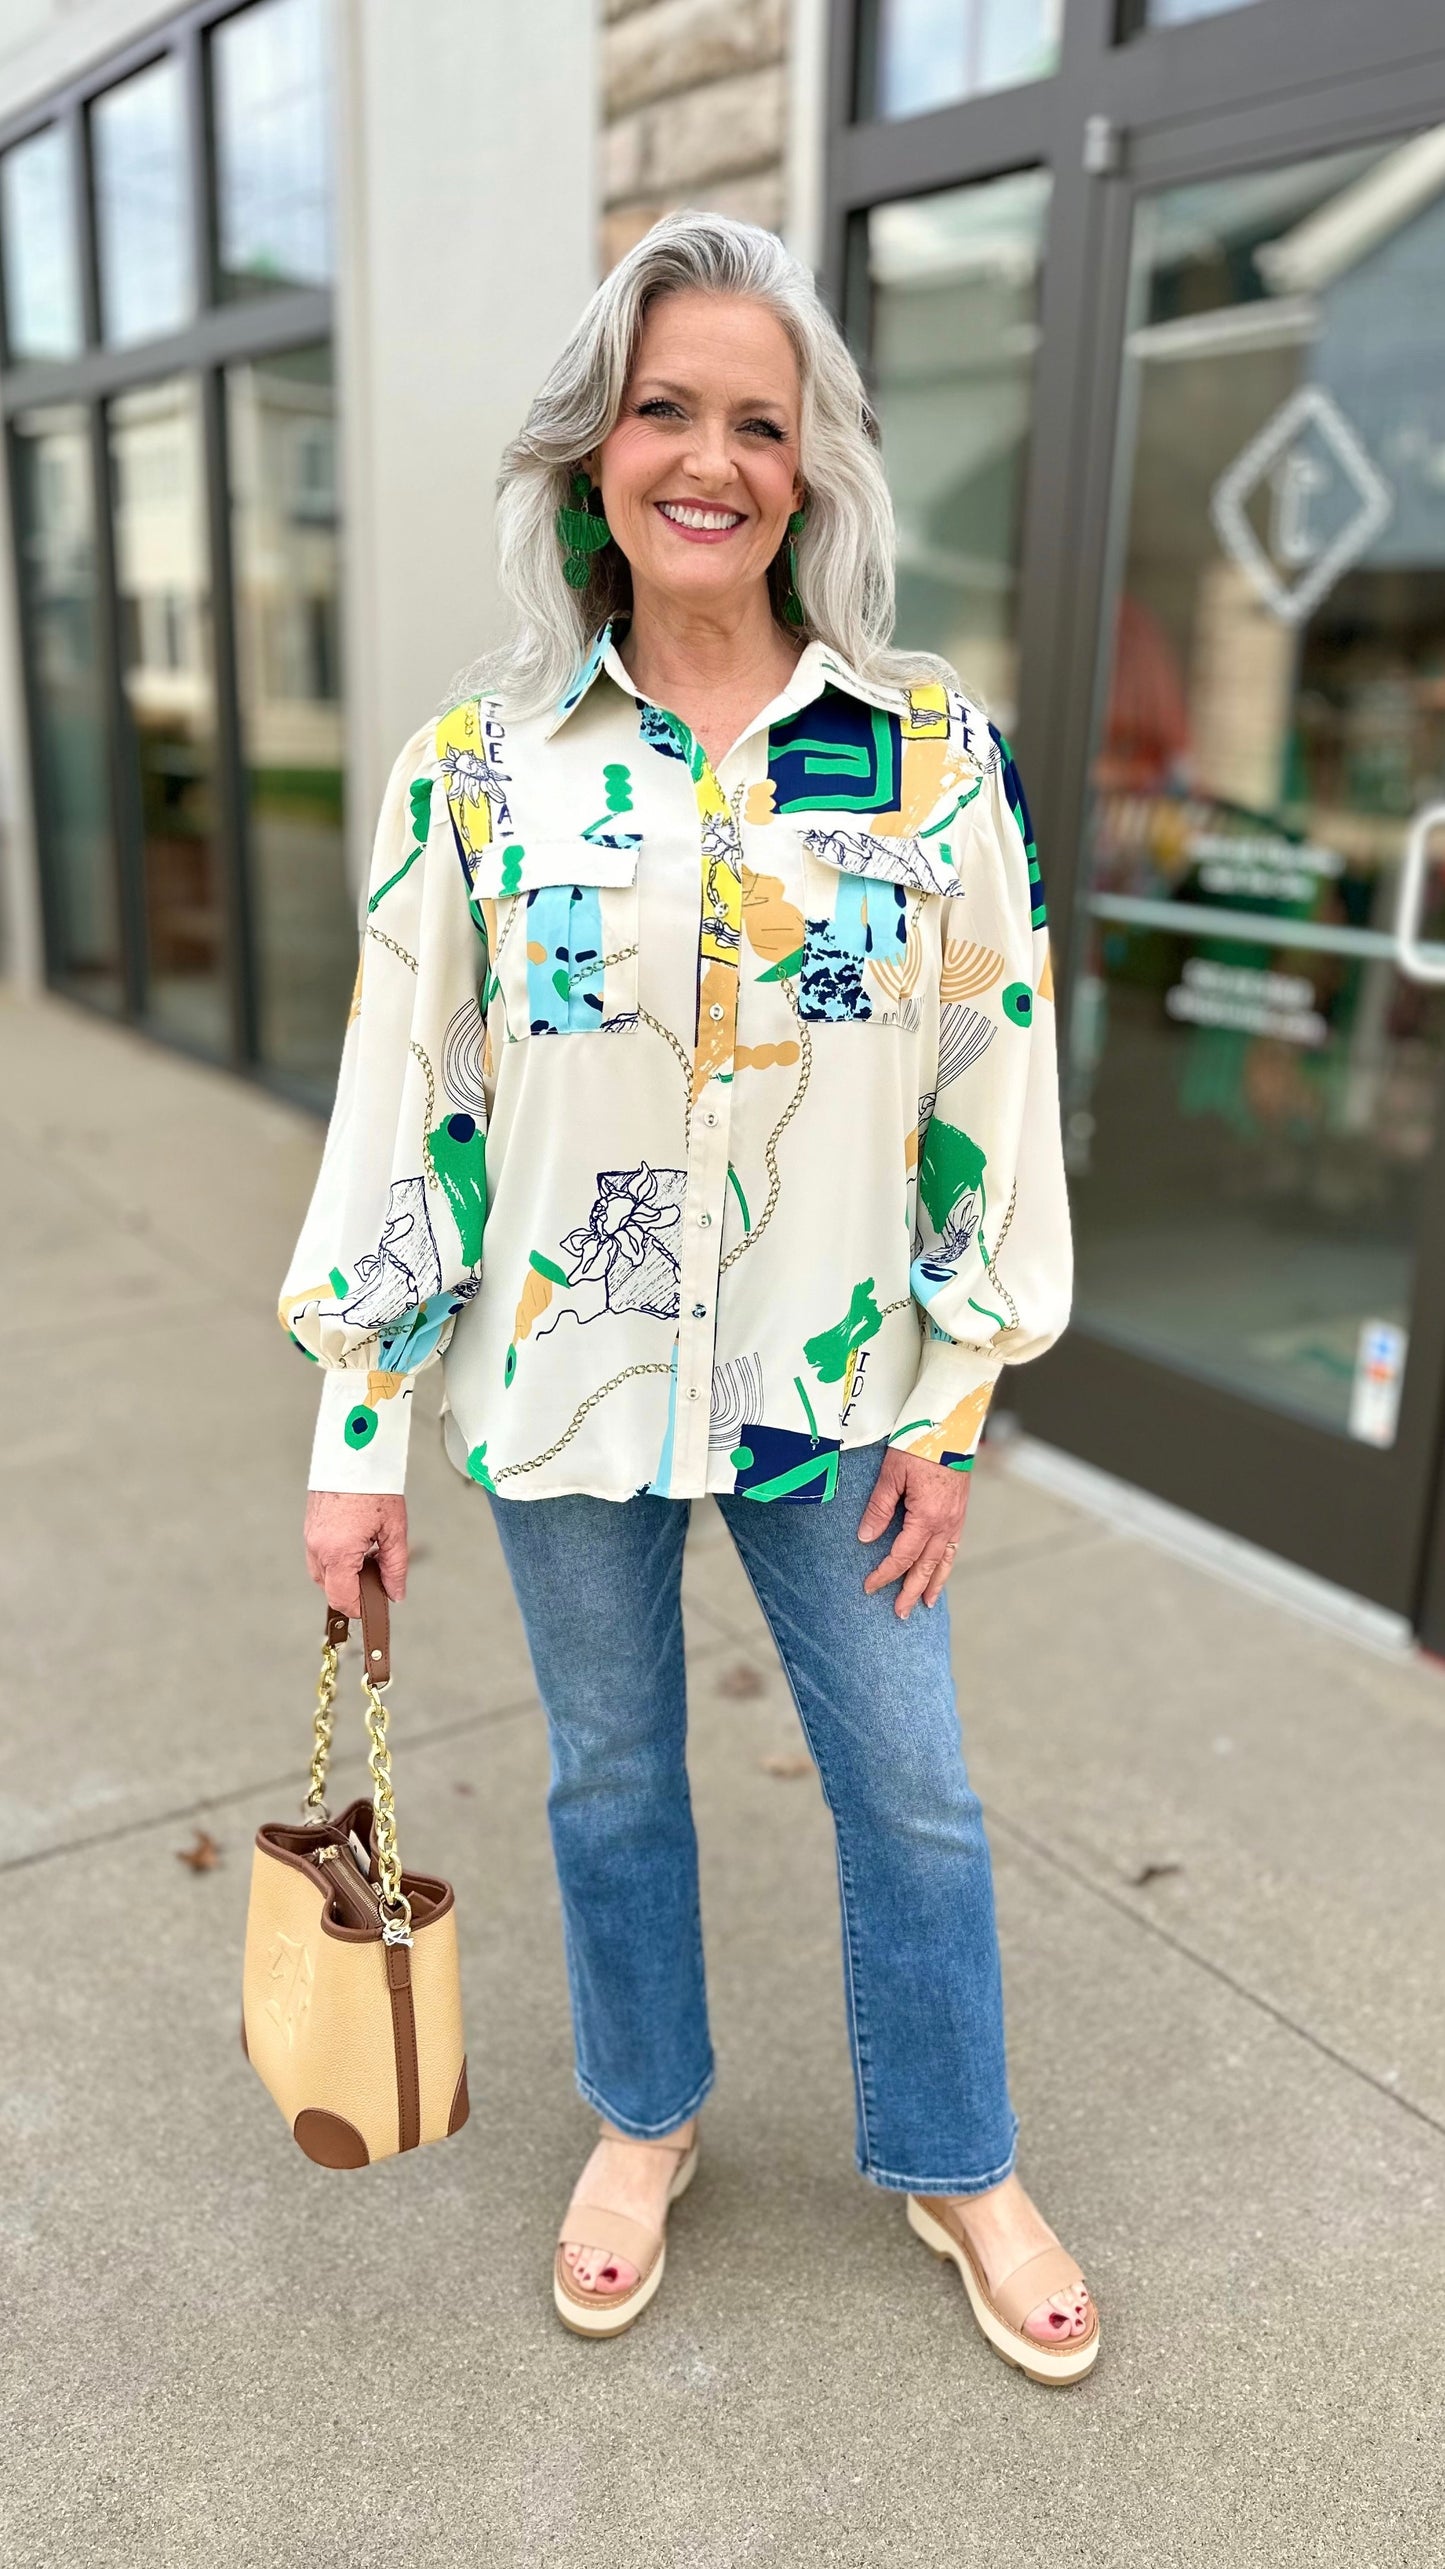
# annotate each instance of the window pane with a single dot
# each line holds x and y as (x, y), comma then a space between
(55, 525)
(927, 53)
(143, 205)
(281, 415)
(1256, 1072)
(954, 282)
(42, 270)
(270, 82)
(165, 630)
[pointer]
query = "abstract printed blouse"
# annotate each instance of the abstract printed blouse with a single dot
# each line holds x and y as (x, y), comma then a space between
(702, 1122)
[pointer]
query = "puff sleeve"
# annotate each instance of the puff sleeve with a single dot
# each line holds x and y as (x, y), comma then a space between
(993, 1265)
(391, 1246)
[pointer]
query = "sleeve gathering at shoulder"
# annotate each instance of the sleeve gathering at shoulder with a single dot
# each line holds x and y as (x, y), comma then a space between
(994, 1274)
(391, 1246)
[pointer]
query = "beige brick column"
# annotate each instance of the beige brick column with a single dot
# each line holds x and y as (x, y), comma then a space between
(694, 112)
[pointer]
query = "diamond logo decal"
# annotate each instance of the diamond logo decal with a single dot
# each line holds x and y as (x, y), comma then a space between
(1327, 502)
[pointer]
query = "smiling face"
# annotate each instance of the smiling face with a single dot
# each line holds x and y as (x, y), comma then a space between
(700, 472)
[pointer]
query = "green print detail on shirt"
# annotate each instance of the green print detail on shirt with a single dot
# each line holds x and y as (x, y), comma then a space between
(360, 1427)
(837, 755)
(338, 1284)
(420, 825)
(459, 1157)
(1017, 1003)
(829, 1352)
(618, 781)
(951, 1168)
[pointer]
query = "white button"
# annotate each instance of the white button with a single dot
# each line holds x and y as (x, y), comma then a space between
(715, 1010)
(692, 1391)
(709, 1117)
(704, 1219)
(699, 1312)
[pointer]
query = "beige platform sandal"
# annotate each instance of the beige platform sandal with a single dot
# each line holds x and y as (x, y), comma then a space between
(594, 2225)
(1000, 2313)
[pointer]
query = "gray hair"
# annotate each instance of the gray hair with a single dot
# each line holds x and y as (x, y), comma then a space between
(845, 554)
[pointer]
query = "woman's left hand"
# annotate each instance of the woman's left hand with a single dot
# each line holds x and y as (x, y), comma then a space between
(935, 1503)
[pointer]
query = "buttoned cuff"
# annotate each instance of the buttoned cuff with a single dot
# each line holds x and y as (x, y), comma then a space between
(362, 1430)
(942, 1418)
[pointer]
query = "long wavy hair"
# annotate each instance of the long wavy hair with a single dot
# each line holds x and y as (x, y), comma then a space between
(845, 554)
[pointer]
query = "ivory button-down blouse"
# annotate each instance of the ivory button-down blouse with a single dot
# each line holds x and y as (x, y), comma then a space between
(702, 1122)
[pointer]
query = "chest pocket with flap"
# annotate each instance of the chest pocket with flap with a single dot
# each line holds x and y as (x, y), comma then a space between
(563, 932)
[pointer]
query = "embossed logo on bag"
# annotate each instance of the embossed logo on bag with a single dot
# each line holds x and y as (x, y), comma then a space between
(292, 1975)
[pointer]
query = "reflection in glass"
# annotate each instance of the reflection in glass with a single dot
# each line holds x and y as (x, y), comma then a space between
(142, 205)
(1254, 1081)
(37, 232)
(55, 527)
(954, 282)
(281, 419)
(270, 84)
(1174, 13)
(930, 52)
(162, 578)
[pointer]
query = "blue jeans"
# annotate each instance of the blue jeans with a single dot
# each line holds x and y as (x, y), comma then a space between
(598, 1584)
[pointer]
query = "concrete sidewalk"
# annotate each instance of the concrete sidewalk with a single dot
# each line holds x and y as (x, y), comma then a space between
(1230, 2075)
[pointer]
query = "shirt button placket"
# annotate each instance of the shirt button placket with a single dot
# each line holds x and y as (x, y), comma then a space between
(707, 1168)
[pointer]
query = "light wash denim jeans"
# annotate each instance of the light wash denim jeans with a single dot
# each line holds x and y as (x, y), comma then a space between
(598, 1584)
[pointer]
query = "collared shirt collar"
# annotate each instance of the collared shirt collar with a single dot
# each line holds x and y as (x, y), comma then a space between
(818, 666)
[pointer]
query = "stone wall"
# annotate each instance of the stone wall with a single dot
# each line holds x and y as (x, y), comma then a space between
(694, 112)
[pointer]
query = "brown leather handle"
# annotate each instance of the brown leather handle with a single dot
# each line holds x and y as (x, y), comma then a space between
(375, 1624)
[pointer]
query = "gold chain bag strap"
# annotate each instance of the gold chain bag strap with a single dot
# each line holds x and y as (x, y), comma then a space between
(351, 2002)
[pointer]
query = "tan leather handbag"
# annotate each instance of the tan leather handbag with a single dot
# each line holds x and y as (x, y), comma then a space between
(351, 2002)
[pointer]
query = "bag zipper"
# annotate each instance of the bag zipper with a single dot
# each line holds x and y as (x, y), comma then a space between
(358, 1900)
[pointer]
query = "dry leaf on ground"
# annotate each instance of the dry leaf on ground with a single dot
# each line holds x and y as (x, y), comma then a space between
(741, 1679)
(204, 1856)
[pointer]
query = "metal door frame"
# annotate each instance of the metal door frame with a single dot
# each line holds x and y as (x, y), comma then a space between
(1275, 81)
(219, 335)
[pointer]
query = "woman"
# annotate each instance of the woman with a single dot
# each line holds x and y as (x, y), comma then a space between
(704, 970)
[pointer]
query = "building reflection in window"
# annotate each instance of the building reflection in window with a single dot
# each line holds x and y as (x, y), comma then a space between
(163, 585)
(286, 534)
(953, 332)
(55, 526)
(270, 89)
(928, 53)
(37, 232)
(142, 205)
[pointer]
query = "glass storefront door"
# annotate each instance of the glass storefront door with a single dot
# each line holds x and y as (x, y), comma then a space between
(1257, 1037)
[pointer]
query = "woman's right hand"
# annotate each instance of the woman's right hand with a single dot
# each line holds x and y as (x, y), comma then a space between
(342, 1526)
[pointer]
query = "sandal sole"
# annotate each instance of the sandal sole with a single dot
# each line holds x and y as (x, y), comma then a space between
(1063, 2369)
(613, 2317)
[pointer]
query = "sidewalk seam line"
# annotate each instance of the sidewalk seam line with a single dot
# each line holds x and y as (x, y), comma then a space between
(1202, 1962)
(184, 1811)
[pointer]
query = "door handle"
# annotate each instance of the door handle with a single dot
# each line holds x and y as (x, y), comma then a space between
(1419, 962)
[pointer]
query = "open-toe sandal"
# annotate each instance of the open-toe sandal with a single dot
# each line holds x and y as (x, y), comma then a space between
(1000, 2312)
(596, 2225)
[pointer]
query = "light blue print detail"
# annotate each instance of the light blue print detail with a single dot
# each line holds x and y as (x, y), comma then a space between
(662, 1478)
(564, 958)
(850, 928)
(658, 731)
(417, 1333)
(927, 1277)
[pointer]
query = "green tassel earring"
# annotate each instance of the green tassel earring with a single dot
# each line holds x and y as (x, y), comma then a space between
(582, 530)
(793, 604)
